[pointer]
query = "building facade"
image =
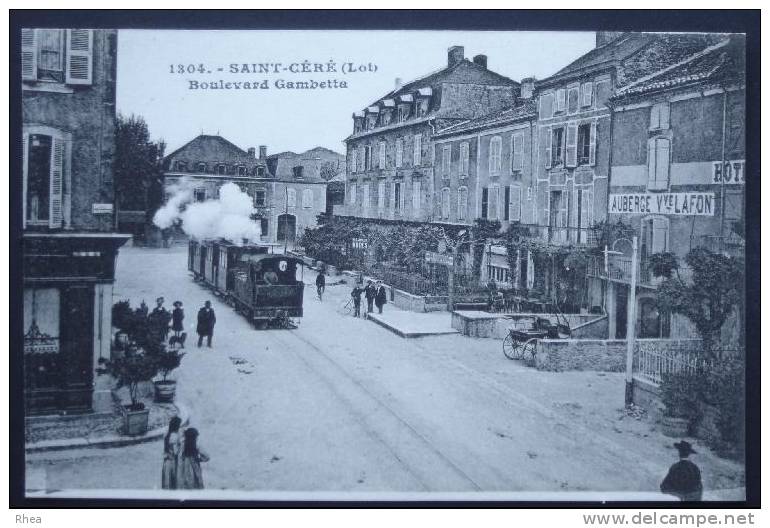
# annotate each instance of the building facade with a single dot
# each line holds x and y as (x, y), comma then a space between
(287, 190)
(69, 248)
(390, 153)
(678, 171)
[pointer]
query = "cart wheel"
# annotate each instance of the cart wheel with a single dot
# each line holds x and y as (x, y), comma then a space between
(511, 347)
(528, 349)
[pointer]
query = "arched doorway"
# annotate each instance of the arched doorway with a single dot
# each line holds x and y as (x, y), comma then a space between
(287, 228)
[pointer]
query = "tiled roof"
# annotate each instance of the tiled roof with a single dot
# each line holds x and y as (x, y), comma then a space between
(722, 61)
(614, 51)
(522, 110)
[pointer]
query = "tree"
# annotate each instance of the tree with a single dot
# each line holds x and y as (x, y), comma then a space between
(138, 170)
(709, 297)
(330, 169)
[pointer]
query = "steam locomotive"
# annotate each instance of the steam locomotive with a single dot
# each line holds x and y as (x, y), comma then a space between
(260, 285)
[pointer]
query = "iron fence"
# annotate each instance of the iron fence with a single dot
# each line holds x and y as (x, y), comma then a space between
(656, 358)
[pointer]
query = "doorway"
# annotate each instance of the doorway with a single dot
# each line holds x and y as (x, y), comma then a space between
(287, 228)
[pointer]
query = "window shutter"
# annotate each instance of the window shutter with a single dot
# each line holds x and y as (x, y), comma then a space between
(530, 271)
(651, 164)
(365, 200)
(665, 110)
(507, 212)
(655, 117)
(57, 178)
(574, 220)
(518, 154)
(548, 142)
(417, 150)
(588, 89)
(80, 62)
(571, 159)
(485, 202)
(381, 195)
(416, 196)
(393, 196)
(382, 156)
(515, 203)
(661, 163)
(353, 160)
(352, 194)
(592, 149)
(587, 208)
(28, 54)
(402, 198)
(659, 234)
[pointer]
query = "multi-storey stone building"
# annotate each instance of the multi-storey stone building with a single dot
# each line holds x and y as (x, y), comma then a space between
(69, 247)
(287, 190)
(677, 174)
(390, 153)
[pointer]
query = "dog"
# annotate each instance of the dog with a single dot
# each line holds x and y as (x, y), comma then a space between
(178, 340)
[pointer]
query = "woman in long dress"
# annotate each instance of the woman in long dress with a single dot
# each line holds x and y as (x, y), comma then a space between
(171, 448)
(190, 473)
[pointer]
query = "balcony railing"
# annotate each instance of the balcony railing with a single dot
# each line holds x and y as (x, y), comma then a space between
(619, 269)
(577, 236)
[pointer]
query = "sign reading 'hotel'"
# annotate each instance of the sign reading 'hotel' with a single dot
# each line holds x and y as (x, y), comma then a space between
(695, 203)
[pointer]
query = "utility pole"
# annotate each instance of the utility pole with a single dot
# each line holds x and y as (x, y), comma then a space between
(451, 278)
(631, 328)
(286, 220)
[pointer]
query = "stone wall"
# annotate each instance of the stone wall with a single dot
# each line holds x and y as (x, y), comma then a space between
(495, 326)
(558, 355)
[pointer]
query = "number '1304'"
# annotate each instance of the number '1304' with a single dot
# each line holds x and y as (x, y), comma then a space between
(187, 68)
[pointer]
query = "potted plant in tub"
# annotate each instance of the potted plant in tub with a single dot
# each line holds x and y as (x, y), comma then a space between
(129, 371)
(167, 360)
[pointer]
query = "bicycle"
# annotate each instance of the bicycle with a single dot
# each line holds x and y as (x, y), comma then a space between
(345, 307)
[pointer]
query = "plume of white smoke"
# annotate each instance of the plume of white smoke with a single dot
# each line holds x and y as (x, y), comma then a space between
(227, 217)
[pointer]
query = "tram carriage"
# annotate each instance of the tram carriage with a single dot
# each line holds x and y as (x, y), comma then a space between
(262, 286)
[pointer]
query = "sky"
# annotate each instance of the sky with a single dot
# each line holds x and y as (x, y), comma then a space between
(297, 120)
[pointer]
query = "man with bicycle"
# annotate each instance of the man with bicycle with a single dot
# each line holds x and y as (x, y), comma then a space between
(320, 283)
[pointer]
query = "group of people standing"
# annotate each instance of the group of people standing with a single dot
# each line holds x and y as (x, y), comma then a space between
(182, 458)
(205, 328)
(374, 293)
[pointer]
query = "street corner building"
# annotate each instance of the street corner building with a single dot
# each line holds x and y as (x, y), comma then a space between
(69, 240)
(288, 189)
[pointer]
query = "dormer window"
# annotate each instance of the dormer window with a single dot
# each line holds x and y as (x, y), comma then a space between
(241, 170)
(385, 117)
(201, 167)
(261, 171)
(403, 112)
(297, 171)
(221, 168)
(422, 106)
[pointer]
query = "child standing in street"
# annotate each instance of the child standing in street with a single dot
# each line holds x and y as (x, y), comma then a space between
(171, 447)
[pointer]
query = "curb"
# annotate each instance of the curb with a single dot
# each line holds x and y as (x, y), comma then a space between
(108, 441)
(409, 335)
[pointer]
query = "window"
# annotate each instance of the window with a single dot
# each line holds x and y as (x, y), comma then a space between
(556, 156)
(201, 167)
(368, 157)
(365, 200)
(517, 152)
(583, 212)
(241, 170)
(263, 225)
(297, 172)
(546, 106)
(200, 194)
(445, 196)
(561, 100)
(446, 160)
(485, 202)
(397, 203)
(422, 106)
(495, 154)
(220, 169)
(658, 158)
(659, 116)
(558, 216)
(403, 112)
(464, 159)
(39, 154)
(261, 171)
(399, 152)
(260, 198)
(494, 203)
(417, 158)
(587, 92)
(573, 99)
(353, 160)
(381, 161)
(462, 203)
(654, 235)
(352, 194)
(56, 55)
(513, 203)
(385, 117)
(381, 195)
(416, 196)
(498, 274)
(307, 198)
(583, 144)
(291, 198)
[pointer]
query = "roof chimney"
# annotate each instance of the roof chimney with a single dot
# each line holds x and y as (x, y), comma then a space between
(262, 151)
(527, 87)
(605, 37)
(481, 60)
(455, 55)
(398, 83)
(252, 152)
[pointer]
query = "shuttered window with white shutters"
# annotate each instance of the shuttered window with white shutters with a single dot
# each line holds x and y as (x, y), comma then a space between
(416, 197)
(57, 55)
(462, 203)
(46, 166)
(495, 154)
(80, 50)
(517, 152)
(658, 160)
(417, 161)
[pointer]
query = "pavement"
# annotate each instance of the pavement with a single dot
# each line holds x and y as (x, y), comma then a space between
(341, 405)
(413, 324)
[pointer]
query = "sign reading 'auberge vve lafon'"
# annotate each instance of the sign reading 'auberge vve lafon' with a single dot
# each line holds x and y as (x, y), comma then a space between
(686, 203)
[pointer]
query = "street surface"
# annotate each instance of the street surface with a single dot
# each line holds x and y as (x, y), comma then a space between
(342, 404)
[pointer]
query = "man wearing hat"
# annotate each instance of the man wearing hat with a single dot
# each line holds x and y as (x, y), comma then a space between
(177, 324)
(381, 297)
(683, 479)
(159, 319)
